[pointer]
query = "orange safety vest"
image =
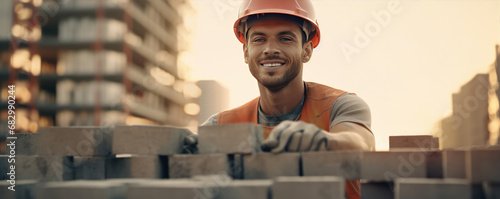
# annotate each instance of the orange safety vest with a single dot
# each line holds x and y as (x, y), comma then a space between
(317, 104)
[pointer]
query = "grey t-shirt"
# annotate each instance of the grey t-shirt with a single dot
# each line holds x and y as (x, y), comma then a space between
(347, 108)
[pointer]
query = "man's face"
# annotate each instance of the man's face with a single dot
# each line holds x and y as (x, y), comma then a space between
(274, 52)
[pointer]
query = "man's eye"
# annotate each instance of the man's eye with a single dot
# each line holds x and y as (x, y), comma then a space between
(285, 39)
(258, 40)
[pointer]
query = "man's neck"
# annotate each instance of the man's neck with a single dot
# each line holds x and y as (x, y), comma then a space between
(282, 101)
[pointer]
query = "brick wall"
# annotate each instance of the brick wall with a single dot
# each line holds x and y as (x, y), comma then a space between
(147, 162)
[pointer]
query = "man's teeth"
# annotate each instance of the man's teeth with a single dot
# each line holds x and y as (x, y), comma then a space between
(272, 64)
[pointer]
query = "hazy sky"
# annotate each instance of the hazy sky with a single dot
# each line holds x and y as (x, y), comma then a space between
(405, 66)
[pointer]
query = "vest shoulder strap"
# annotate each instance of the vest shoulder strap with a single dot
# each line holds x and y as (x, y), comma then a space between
(244, 113)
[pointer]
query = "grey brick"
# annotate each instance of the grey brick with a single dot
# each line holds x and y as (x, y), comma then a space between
(385, 166)
(377, 190)
(47, 168)
(454, 163)
(89, 168)
(26, 143)
(222, 187)
(148, 140)
(333, 163)
(171, 189)
(219, 178)
(482, 165)
(316, 187)
(135, 167)
(81, 189)
(75, 141)
(414, 141)
(186, 166)
(435, 143)
(270, 165)
(230, 138)
(245, 189)
(55, 168)
(131, 181)
(413, 188)
(24, 189)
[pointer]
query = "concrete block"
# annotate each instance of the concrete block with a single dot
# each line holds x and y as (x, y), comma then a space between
(491, 190)
(26, 143)
(186, 166)
(377, 190)
(414, 141)
(131, 181)
(270, 165)
(170, 189)
(24, 189)
(219, 178)
(380, 166)
(75, 141)
(89, 168)
(346, 164)
(81, 189)
(316, 187)
(53, 168)
(245, 189)
(435, 143)
(47, 168)
(148, 140)
(434, 164)
(413, 188)
(230, 138)
(454, 163)
(136, 167)
(223, 187)
(482, 165)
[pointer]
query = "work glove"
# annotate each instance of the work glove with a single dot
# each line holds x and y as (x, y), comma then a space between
(190, 144)
(296, 136)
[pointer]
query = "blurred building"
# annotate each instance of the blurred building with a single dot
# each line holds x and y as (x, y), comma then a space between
(474, 120)
(468, 124)
(493, 101)
(214, 98)
(95, 62)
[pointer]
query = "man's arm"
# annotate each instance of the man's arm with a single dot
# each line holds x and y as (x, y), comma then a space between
(349, 135)
(350, 129)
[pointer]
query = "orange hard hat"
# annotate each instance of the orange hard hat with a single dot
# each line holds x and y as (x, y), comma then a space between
(299, 8)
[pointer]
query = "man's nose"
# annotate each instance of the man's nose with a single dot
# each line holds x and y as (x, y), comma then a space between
(271, 48)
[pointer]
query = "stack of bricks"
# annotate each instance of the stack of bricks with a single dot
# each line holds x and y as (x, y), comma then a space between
(128, 162)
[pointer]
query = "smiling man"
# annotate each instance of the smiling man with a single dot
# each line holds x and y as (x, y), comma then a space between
(278, 37)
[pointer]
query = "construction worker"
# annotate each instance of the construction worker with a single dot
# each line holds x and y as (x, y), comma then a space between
(278, 37)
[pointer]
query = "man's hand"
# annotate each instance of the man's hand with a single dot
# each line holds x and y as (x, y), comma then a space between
(294, 136)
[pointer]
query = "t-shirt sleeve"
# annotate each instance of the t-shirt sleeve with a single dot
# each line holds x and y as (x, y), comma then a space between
(350, 108)
(212, 120)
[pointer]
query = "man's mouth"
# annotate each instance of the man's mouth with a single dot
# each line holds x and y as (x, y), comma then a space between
(272, 63)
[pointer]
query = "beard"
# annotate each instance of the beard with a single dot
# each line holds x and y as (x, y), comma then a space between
(271, 80)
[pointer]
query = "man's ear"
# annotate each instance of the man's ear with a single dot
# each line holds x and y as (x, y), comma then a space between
(307, 51)
(245, 52)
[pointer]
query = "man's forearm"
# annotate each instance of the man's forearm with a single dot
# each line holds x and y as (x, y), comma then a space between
(351, 136)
